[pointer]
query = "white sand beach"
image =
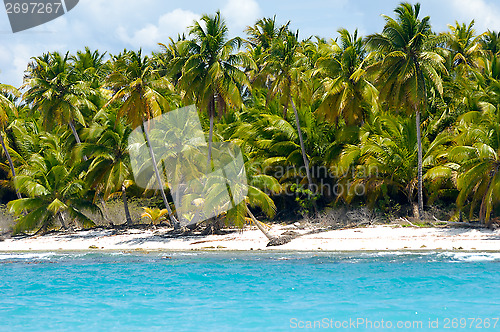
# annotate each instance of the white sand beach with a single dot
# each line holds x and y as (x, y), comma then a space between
(376, 238)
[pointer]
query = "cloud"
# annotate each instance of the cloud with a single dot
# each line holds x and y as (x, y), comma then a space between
(18, 57)
(23, 57)
(113, 12)
(4, 54)
(241, 13)
(169, 25)
(486, 14)
(109, 25)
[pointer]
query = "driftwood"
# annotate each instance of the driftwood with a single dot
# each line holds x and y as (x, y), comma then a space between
(459, 223)
(5, 235)
(290, 235)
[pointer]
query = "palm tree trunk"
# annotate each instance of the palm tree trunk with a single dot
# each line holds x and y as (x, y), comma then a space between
(125, 205)
(61, 219)
(285, 110)
(221, 107)
(77, 138)
(304, 156)
(211, 109)
(173, 220)
(257, 223)
(420, 182)
(301, 140)
(11, 164)
(105, 210)
(482, 209)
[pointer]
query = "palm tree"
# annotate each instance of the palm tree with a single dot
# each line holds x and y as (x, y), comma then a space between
(172, 58)
(464, 47)
(258, 190)
(211, 75)
(274, 142)
(55, 90)
(490, 42)
(264, 32)
(409, 69)
(143, 93)
(54, 189)
(284, 64)
(90, 67)
(109, 170)
(384, 162)
(26, 135)
(477, 154)
(345, 90)
(282, 68)
(261, 37)
(155, 215)
(7, 105)
(272, 145)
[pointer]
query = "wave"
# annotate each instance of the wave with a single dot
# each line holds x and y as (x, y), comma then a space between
(472, 256)
(397, 253)
(345, 257)
(29, 256)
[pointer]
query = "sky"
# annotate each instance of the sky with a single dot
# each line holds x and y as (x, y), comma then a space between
(112, 25)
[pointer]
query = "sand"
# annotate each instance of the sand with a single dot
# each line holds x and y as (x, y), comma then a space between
(372, 238)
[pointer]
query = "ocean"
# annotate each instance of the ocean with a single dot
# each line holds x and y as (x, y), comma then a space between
(249, 291)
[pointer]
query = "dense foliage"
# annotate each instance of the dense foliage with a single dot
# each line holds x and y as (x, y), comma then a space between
(399, 121)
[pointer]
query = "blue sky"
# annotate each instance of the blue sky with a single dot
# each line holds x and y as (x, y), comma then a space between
(112, 25)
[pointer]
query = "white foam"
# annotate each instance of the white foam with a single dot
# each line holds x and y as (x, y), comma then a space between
(44, 255)
(397, 253)
(473, 257)
(181, 254)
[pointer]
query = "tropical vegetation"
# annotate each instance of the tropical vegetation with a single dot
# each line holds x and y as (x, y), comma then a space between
(407, 117)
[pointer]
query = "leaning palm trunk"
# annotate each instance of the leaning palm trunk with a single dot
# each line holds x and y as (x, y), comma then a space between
(420, 183)
(125, 205)
(173, 220)
(211, 109)
(62, 220)
(105, 210)
(301, 140)
(483, 209)
(77, 138)
(11, 164)
(210, 138)
(285, 110)
(258, 224)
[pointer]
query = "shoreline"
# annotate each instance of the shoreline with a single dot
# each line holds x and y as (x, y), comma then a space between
(371, 238)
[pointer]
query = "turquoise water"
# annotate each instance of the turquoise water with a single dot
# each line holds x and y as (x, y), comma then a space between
(224, 291)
